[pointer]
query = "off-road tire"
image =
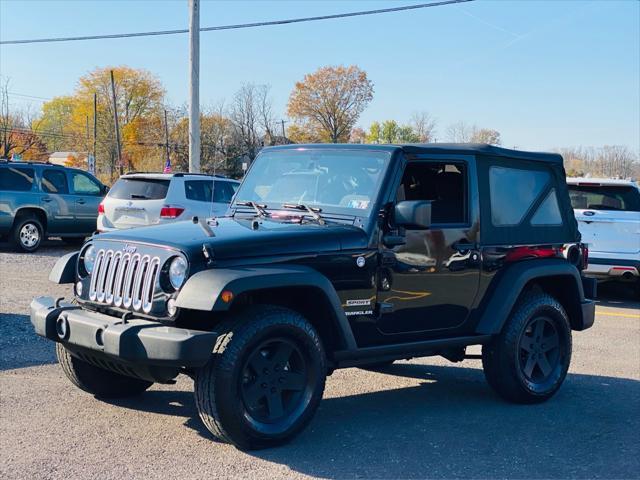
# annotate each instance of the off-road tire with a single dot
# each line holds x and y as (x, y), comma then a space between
(219, 385)
(30, 222)
(503, 357)
(97, 381)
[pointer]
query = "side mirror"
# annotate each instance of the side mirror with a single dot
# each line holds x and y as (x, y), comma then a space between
(413, 214)
(105, 189)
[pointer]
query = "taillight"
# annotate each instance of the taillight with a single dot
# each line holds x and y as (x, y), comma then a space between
(171, 211)
(585, 256)
(101, 209)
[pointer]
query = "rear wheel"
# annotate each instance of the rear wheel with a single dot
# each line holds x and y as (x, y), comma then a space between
(27, 233)
(97, 381)
(528, 361)
(264, 381)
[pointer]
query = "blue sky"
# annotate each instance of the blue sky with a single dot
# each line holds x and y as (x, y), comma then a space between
(545, 73)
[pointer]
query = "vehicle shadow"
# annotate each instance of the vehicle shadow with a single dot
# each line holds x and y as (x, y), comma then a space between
(452, 425)
(20, 347)
(49, 248)
(617, 294)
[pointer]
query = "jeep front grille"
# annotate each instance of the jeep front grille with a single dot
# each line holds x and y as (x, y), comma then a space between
(124, 280)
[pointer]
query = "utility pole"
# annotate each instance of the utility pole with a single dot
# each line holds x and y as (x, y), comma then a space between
(95, 123)
(87, 121)
(282, 122)
(115, 121)
(166, 136)
(194, 86)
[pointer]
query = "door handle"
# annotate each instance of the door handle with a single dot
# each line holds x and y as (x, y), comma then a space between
(46, 199)
(81, 201)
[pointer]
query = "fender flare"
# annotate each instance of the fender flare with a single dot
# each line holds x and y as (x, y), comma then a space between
(202, 291)
(503, 293)
(64, 271)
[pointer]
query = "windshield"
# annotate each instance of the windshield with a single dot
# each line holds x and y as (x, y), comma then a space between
(605, 197)
(342, 181)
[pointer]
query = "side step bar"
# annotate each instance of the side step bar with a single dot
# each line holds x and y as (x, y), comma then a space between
(363, 356)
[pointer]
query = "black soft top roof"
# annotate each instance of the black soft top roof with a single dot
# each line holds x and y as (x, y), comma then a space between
(437, 148)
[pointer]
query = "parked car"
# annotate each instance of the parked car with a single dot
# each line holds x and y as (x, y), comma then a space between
(139, 199)
(39, 200)
(608, 214)
(333, 256)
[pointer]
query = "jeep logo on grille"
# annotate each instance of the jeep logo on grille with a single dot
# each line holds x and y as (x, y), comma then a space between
(129, 248)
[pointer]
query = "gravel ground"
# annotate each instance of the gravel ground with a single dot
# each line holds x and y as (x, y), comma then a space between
(423, 418)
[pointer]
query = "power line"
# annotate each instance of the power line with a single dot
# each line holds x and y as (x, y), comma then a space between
(15, 94)
(237, 26)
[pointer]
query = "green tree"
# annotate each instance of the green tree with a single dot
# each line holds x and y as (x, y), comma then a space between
(375, 133)
(389, 131)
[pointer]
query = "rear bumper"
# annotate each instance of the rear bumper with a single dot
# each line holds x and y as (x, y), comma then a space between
(135, 342)
(588, 314)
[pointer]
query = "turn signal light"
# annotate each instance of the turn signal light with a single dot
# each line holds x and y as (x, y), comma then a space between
(171, 211)
(226, 296)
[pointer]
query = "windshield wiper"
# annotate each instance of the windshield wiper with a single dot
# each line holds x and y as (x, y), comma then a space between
(303, 206)
(260, 209)
(135, 196)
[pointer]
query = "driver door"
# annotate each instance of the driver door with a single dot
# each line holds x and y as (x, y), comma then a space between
(429, 283)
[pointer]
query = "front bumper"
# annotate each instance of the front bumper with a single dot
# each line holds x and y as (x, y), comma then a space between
(136, 342)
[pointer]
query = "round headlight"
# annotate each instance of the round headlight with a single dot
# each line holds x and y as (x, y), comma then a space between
(177, 272)
(89, 259)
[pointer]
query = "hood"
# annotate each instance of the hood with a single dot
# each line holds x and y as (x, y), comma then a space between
(235, 237)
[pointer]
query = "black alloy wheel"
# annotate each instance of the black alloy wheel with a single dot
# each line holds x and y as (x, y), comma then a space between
(276, 383)
(541, 352)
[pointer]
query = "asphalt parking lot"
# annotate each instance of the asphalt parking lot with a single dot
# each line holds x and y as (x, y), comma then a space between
(422, 418)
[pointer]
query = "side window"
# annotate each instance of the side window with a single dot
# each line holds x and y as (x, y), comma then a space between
(16, 179)
(445, 184)
(54, 181)
(223, 192)
(199, 190)
(512, 192)
(548, 212)
(84, 185)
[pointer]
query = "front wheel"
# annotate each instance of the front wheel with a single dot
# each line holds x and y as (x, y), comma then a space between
(528, 361)
(264, 380)
(27, 234)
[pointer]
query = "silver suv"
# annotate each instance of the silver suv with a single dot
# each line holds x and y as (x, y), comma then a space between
(140, 199)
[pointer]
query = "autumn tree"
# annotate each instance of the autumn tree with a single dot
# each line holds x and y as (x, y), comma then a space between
(217, 142)
(461, 132)
(19, 130)
(358, 135)
(139, 99)
(331, 100)
(486, 135)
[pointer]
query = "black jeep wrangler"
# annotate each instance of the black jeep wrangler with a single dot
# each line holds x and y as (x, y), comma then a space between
(332, 256)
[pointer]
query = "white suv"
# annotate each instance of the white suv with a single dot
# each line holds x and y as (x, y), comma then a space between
(608, 214)
(140, 199)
